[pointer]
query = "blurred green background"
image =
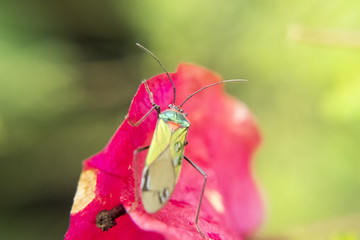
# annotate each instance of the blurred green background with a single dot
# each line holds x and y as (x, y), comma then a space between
(68, 71)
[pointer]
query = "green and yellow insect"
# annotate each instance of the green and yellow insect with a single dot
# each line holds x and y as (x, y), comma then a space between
(166, 151)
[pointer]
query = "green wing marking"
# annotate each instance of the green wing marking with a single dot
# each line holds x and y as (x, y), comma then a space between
(162, 166)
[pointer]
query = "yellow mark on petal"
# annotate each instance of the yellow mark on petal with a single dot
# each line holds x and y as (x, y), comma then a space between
(216, 200)
(85, 192)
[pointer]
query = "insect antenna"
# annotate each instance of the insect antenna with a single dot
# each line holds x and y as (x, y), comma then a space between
(225, 81)
(148, 51)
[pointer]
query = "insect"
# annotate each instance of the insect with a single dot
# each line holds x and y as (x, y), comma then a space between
(166, 151)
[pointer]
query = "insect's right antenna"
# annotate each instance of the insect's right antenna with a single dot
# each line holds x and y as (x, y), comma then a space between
(148, 51)
(225, 81)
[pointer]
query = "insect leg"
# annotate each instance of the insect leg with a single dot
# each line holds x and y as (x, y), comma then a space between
(157, 107)
(143, 118)
(136, 176)
(202, 193)
(151, 96)
(154, 106)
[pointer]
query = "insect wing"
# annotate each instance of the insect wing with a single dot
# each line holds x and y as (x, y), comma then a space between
(159, 142)
(162, 166)
(158, 182)
(177, 144)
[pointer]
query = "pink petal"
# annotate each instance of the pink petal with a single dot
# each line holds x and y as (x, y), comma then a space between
(222, 140)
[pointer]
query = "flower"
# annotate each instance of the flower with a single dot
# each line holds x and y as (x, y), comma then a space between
(222, 139)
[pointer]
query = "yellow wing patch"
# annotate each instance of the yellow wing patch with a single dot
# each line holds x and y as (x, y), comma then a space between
(159, 142)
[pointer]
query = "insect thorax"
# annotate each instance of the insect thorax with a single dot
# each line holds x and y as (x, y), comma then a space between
(174, 116)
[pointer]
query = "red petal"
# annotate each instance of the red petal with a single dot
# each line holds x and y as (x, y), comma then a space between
(222, 140)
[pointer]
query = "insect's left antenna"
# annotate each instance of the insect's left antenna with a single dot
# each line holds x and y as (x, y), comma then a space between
(148, 51)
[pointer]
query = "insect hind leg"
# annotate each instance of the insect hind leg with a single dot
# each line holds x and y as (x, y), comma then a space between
(136, 176)
(202, 193)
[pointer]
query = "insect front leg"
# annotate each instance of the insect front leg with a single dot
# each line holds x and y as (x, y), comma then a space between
(154, 106)
(202, 193)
